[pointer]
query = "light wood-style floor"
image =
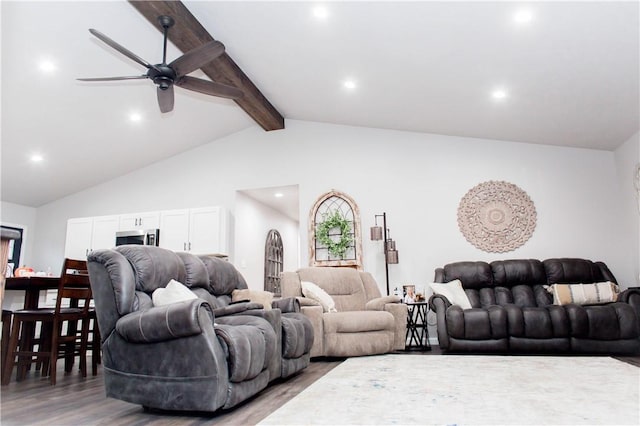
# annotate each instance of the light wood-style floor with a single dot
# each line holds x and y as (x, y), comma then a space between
(78, 401)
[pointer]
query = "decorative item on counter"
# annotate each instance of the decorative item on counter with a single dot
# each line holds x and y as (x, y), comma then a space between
(24, 271)
(409, 293)
(397, 292)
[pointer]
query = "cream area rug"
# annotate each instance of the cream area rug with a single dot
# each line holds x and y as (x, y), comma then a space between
(469, 390)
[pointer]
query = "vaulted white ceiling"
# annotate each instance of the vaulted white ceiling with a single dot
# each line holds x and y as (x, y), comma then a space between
(571, 76)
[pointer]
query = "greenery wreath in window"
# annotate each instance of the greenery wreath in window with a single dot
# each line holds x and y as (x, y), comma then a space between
(334, 221)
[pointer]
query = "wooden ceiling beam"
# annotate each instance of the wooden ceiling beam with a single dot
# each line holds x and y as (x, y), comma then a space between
(187, 34)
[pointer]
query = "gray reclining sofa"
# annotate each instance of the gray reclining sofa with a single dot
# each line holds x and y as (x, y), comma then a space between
(197, 355)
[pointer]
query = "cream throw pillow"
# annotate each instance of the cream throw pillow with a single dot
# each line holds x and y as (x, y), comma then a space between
(312, 291)
(174, 292)
(453, 291)
(584, 294)
(258, 296)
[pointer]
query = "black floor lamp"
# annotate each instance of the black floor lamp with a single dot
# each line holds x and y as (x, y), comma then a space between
(390, 253)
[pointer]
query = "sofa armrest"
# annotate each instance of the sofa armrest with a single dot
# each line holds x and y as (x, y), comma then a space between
(162, 323)
(236, 308)
(400, 312)
(629, 295)
(379, 303)
(315, 313)
(305, 301)
(632, 297)
(287, 305)
(439, 305)
(438, 302)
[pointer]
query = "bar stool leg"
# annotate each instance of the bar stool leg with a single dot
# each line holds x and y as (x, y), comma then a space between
(6, 335)
(10, 359)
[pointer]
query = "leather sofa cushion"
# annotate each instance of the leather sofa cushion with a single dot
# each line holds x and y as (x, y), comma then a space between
(603, 322)
(473, 275)
(297, 335)
(477, 324)
(537, 322)
(570, 271)
(223, 276)
(510, 273)
(357, 321)
(521, 295)
(153, 268)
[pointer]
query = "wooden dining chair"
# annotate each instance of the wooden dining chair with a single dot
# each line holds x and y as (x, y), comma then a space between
(59, 335)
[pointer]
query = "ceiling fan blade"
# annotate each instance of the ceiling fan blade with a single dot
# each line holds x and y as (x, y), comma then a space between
(165, 99)
(209, 87)
(196, 58)
(134, 77)
(126, 52)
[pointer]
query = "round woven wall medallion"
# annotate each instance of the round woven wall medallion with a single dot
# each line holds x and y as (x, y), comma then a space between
(496, 216)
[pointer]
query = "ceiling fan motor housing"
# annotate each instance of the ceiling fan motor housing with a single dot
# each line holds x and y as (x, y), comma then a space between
(162, 75)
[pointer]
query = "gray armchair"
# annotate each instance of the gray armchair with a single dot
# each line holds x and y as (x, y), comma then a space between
(182, 356)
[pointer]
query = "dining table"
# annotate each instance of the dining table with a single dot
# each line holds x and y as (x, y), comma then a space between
(32, 286)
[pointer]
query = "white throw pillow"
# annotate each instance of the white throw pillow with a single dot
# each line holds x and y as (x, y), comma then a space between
(453, 291)
(174, 292)
(312, 291)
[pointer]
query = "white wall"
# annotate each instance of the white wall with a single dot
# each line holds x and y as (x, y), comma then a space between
(627, 158)
(417, 179)
(254, 220)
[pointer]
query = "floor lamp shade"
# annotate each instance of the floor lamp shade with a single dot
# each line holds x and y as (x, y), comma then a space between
(392, 257)
(376, 233)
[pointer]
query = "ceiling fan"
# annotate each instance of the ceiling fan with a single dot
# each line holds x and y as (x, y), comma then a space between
(165, 76)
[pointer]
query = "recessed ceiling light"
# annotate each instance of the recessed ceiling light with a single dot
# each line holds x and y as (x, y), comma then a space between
(499, 94)
(36, 158)
(349, 84)
(135, 117)
(47, 66)
(321, 12)
(278, 195)
(523, 16)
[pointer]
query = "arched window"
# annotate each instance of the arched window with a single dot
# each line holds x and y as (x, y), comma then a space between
(273, 260)
(334, 231)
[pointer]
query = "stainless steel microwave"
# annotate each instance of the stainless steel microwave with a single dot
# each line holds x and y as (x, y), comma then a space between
(143, 237)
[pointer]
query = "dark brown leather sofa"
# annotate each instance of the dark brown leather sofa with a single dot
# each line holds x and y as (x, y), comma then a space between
(513, 312)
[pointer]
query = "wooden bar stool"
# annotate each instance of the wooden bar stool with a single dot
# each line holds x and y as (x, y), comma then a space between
(74, 288)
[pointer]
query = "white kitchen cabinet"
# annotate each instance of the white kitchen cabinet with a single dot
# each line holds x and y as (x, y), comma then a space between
(199, 230)
(133, 221)
(207, 231)
(174, 229)
(90, 233)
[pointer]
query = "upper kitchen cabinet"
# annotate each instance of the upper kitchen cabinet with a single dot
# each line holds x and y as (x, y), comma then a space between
(135, 221)
(90, 233)
(199, 231)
